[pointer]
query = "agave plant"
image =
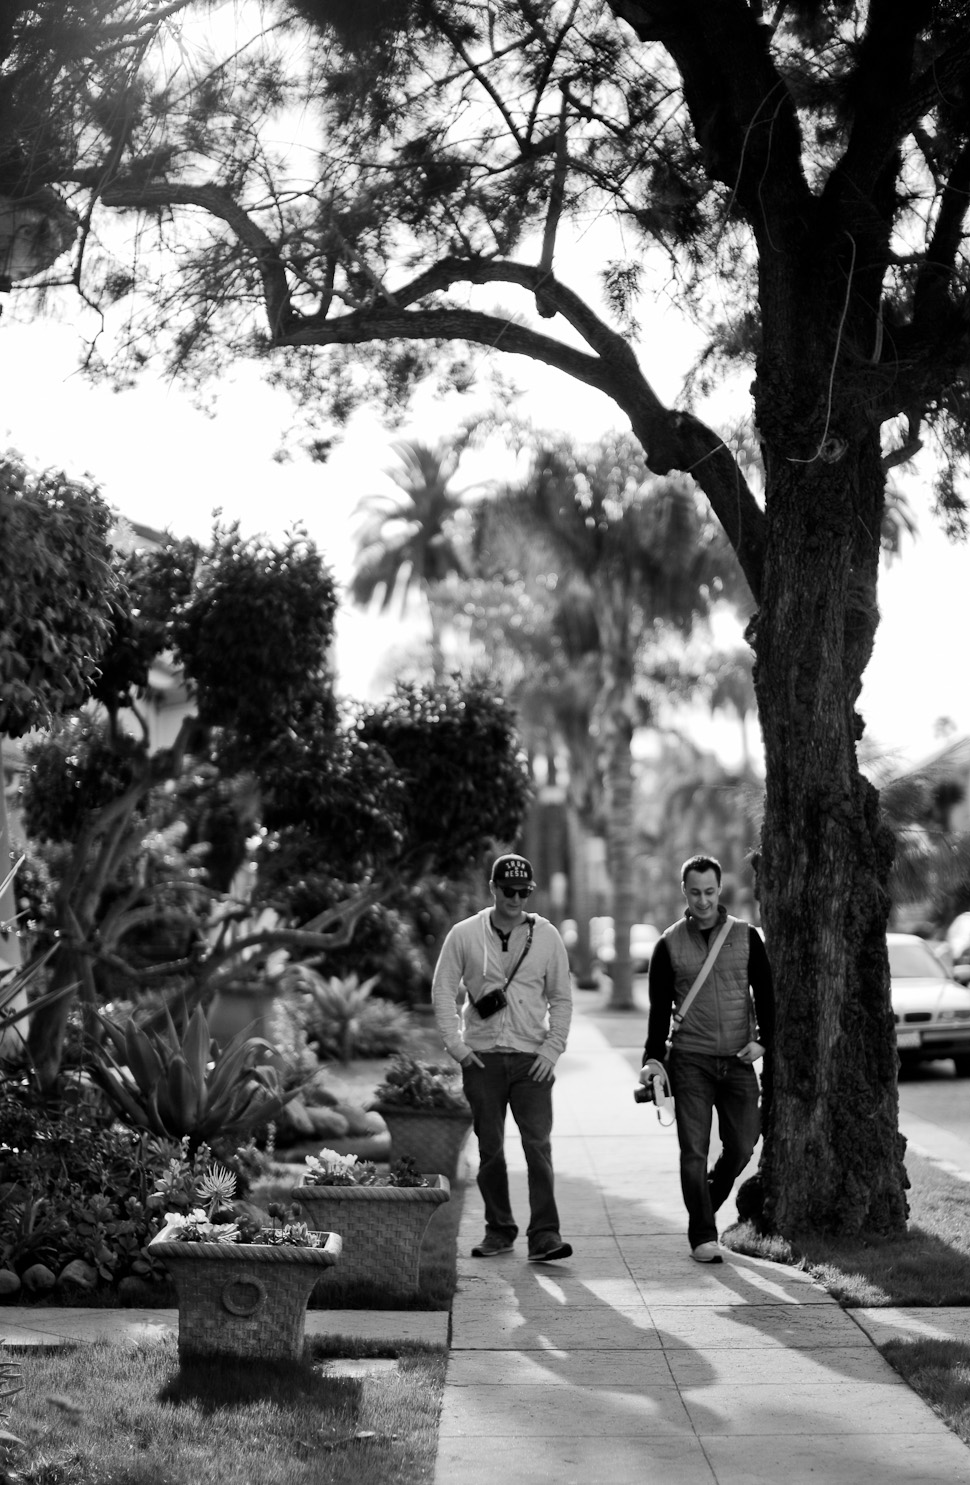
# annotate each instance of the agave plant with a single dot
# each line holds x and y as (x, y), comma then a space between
(189, 1087)
(14, 985)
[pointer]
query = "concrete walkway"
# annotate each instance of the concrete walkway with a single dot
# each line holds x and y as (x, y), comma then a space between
(631, 1363)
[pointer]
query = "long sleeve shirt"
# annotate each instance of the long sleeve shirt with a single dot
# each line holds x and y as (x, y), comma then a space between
(472, 962)
(661, 985)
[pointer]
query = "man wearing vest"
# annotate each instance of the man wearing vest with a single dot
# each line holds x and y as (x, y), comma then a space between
(712, 1048)
(512, 969)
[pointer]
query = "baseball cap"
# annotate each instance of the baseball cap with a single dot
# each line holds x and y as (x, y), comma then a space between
(512, 871)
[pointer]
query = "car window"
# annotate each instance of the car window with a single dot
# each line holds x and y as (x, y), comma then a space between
(914, 961)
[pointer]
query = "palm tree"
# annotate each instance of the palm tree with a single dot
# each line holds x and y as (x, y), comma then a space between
(410, 541)
(541, 645)
(730, 686)
(645, 559)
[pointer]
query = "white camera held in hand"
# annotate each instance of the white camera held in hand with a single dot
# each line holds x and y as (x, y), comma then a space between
(654, 1087)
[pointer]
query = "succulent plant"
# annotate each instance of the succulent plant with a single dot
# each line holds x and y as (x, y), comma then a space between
(190, 1086)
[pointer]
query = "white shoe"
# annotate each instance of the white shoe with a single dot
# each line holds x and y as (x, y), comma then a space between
(706, 1253)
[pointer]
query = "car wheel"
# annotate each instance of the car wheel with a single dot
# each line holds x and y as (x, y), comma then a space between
(962, 1065)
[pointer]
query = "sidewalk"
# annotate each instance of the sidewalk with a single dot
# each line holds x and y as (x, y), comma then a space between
(630, 1363)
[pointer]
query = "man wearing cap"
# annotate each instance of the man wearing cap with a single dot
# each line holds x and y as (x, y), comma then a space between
(514, 972)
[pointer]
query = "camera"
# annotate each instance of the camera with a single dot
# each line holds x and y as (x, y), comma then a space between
(490, 1004)
(654, 1088)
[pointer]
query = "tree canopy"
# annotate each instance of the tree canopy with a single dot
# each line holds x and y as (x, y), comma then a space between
(347, 806)
(53, 607)
(363, 192)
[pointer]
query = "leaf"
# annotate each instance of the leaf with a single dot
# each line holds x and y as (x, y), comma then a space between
(156, 1110)
(196, 1044)
(131, 1108)
(142, 1057)
(186, 1094)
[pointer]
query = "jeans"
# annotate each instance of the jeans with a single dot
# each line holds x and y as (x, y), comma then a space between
(502, 1084)
(701, 1084)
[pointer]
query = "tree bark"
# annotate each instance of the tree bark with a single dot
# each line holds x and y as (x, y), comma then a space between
(832, 1156)
(621, 849)
(580, 897)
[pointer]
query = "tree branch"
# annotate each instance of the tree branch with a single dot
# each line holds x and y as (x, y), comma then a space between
(672, 441)
(147, 195)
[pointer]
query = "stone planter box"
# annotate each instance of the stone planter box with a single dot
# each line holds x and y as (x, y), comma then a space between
(382, 1227)
(432, 1138)
(244, 1299)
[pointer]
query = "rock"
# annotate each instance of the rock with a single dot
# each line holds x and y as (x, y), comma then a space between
(136, 1293)
(79, 1274)
(38, 1279)
(9, 1281)
(328, 1124)
(361, 1121)
(295, 1120)
(320, 1097)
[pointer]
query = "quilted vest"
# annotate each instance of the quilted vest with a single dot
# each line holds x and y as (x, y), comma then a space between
(721, 1016)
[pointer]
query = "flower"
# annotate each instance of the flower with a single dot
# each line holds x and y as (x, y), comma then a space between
(420, 1085)
(196, 1228)
(330, 1169)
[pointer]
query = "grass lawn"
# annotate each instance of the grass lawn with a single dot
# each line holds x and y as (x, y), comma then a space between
(108, 1414)
(928, 1267)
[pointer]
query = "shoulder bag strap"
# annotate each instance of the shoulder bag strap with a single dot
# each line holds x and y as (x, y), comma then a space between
(528, 945)
(530, 919)
(705, 970)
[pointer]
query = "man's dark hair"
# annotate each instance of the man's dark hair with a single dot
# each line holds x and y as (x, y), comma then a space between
(700, 863)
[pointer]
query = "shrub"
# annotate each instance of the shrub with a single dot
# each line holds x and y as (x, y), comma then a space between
(420, 1085)
(343, 1018)
(73, 1185)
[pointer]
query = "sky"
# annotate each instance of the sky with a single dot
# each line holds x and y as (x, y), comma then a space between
(163, 463)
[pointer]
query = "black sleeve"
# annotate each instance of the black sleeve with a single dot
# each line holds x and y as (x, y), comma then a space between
(762, 986)
(661, 989)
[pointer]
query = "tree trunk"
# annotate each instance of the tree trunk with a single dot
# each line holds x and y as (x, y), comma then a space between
(621, 847)
(10, 957)
(833, 1156)
(580, 898)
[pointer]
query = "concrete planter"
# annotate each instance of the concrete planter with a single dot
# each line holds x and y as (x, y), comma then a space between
(244, 1299)
(382, 1227)
(432, 1138)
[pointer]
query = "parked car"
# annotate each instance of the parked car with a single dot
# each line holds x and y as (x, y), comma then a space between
(643, 936)
(958, 943)
(932, 1009)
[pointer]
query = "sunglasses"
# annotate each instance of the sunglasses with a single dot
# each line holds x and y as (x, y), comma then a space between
(522, 892)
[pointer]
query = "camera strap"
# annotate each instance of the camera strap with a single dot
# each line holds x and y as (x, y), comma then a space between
(530, 919)
(706, 967)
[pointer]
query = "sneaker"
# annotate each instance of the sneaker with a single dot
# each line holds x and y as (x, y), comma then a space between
(706, 1253)
(547, 1248)
(491, 1245)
